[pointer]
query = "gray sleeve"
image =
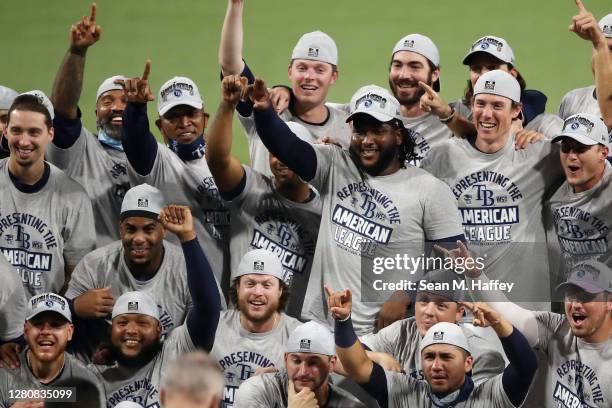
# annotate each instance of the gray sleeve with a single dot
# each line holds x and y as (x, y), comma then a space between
(548, 323)
(344, 107)
(325, 161)
(179, 342)
(488, 364)
(441, 216)
(248, 123)
(79, 231)
(63, 158)
(13, 307)
(549, 125)
(385, 340)
(251, 393)
(81, 280)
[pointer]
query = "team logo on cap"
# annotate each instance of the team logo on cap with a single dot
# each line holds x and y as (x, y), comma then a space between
(178, 93)
(489, 85)
(49, 303)
(258, 265)
(367, 103)
(607, 29)
(305, 344)
(409, 43)
(575, 126)
(438, 336)
(369, 99)
(313, 52)
(484, 46)
(176, 89)
(576, 122)
(132, 306)
(143, 202)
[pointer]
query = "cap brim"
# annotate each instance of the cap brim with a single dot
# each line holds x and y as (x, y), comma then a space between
(587, 286)
(381, 117)
(33, 315)
(138, 213)
(165, 109)
(468, 57)
(577, 137)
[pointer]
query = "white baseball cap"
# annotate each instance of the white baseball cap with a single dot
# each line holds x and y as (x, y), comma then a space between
(422, 45)
(495, 46)
(135, 303)
(128, 404)
(48, 302)
(445, 333)
(42, 98)
(311, 337)
(586, 129)
(109, 85)
(606, 25)
(498, 82)
(376, 102)
(178, 91)
(259, 262)
(143, 200)
(591, 276)
(316, 46)
(301, 132)
(7, 96)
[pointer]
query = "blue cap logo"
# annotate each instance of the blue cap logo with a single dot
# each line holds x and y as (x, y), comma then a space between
(177, 93)
(575, 125)
(484, 45)
(49, 303)
(367, 103)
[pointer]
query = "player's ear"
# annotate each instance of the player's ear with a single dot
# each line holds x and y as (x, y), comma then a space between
(515, 109)
(604, 153)
(514, 72)
(435, 75)
(469, 363)
(158, 123)
(335, 73)
(70, 331)
(205, 118)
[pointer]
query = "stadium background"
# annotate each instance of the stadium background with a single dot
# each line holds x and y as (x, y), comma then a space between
(181, 37)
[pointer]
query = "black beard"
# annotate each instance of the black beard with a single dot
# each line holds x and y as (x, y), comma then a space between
(146, 355)
(386, 157)
(417, 97)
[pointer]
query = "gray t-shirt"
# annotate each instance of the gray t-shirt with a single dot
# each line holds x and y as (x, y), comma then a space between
(403, 341)
(190, 183)
(142, 384)
(12, 302)
(263, 218)
(580, 100)
(404, 391)
(578, 373)
(582, 223)
(22, 378)
(102, 171)
(43, 231)
(270, 391)
(239, 352)
(106, 268)
(500, 197)
(366, 217)
(334, 127)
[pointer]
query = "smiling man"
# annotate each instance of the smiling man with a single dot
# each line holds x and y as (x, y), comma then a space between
(253, 334)
(137, 326)
(500, 191)
(47, 221)
(312, 70)
(580, 209)
(372, 204)
(44, 363)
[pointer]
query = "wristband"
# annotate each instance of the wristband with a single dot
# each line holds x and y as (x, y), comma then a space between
(449, 117)
(344, 334)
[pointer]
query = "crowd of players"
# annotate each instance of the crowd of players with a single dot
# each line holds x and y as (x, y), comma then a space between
(126, 257)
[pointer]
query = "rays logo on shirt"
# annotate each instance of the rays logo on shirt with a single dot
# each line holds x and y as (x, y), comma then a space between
(363, 219)
(483, 199)
(141, 391)
(238, 367)
(577, 386)
(581, 235)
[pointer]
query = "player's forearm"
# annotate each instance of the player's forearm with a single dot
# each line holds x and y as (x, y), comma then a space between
(461, 127)
(230, 49)
(351, 353)
(204, 316)
(524, 320)
(602, 64)
(69, 83)
(225, 168)
(298, 155)
(138, 142)
(518, 375)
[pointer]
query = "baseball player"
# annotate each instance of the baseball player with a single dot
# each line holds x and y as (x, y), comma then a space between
(364, 211)
(403, 338)
(254, 332)
(310, 357)
(580, 209)
(313, 69)
(44, 362)
(7, 96)
(136, 326)
(576, 343)
(192, 381)
(281, 214)
(585, 100)
(446, 359)
(97, 162)
(178, 169)
(46, 225)
(500, 191)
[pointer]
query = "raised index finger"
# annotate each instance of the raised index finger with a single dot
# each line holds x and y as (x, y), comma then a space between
(92, 17)
(427, 88)
(145, 74)
(580, 5)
